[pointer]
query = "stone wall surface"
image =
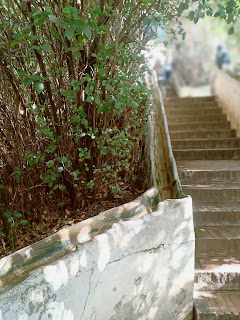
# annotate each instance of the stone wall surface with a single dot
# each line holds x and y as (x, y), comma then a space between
(227, 89)
(134, 262)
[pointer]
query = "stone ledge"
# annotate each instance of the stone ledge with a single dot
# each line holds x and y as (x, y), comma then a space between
(16, 267)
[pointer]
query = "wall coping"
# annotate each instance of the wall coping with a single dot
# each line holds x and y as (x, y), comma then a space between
(17, 266)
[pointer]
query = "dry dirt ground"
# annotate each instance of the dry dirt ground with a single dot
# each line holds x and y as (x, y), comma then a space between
(52, 222)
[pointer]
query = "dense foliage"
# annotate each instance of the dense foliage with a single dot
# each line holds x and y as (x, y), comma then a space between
(73, 102)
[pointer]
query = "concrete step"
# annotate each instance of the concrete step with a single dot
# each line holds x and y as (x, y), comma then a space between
(206, 143)
(196, 118)
(189, 100)
(217, 305)
(171, 107)
(203, 134)
(208, 171)
(207, 154)
(198, 126)
(213, 192)
(217, 240)
(191, 111)
(216, 214)
(217, 273)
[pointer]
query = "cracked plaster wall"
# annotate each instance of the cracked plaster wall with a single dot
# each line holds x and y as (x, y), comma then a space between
(138, 267)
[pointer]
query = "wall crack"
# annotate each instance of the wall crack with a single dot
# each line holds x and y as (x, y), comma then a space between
(152, 250)
(89, 290)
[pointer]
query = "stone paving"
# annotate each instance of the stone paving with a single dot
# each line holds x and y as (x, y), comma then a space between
(207, 152)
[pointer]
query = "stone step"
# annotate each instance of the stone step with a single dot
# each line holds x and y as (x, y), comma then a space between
(207, 154)
(207, 171)
(213, 192)
(217, 240)
(198, 126)
(190, 100)
(223, 305)
(203, 134)
(170, 107)
(206, 143)
(190, 111)
(196, 118)
(216, 214)
(217, 273)
(187, 126)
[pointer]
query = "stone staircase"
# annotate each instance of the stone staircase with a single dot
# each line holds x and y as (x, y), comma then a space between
(208, 158)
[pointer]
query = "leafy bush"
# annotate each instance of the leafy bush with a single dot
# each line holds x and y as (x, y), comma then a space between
(73, 104)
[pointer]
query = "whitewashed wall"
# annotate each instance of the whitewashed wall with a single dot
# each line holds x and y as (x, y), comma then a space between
(227, 89)
(134, 262)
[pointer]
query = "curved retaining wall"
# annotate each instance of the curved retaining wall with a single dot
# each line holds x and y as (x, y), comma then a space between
(130, 262)
(227, 89)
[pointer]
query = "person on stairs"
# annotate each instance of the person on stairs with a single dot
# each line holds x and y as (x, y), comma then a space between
(223, 59)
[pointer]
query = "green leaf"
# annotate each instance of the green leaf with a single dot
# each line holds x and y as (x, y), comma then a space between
(154, 25)
(69, 33)
(17, 215)
(98, 101)
(148, 20)
(201, 14)
(77, 54)
(27, 81)
(62, 187)
(87, 32)
(169, 15)
(102, 72)
(90, 184)
(181, 8)
(90, 99)
(85, 123)
(191, 15)
(60, 169)
(76, 119)
(196, 20)
(23, 222)
(53, 18)
(104, 151)
(7, 215)
(231, 31)
(15, 42)
(38, 48)
(68, 163)
(39, 87)
(50, 163)
(22, 74)
(46, 47)
(51, 148)
(17, 35)
(66, 10)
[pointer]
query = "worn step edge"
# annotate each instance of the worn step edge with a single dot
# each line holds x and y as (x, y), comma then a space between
(191, 111)
(189, 126)
(216, 305)
(196, 118)
(217, 273)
